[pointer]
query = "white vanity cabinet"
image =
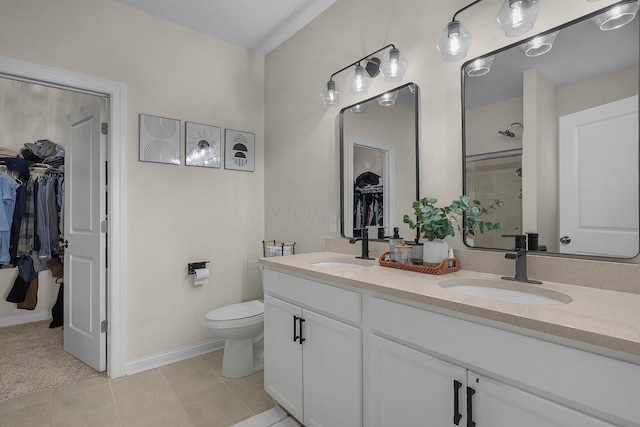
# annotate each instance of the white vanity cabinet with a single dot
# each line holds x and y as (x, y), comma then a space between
(313, 350)
(421, 365)
(496, 404)
(406, 387)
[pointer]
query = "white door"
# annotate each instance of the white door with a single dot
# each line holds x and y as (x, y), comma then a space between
(497, 405)
(599, 180)
(283, 354)
(405, 387)
(332, 372)
(84, 257)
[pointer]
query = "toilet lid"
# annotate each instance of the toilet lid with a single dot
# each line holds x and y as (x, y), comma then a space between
(237, 311)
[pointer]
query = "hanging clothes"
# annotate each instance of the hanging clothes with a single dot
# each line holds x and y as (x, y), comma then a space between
(8, 189)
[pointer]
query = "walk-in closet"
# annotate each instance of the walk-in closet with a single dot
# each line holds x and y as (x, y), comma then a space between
(32, 154)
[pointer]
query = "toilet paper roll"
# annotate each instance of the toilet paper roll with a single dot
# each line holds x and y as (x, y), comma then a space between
(200, 276)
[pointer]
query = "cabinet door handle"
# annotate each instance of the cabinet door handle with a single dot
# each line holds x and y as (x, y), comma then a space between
(470, 393)
(456, 402)
(295, 327)
(302, 339)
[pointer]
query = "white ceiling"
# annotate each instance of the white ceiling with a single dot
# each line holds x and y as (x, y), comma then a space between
(257, 25)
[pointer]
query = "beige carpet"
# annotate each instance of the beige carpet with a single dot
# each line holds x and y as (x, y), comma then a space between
(32, 359)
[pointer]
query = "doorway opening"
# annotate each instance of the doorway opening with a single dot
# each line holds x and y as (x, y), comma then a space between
(116, 254)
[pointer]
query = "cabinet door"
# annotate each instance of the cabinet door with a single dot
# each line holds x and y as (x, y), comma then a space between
(497, 405)
(405, 387)
(282, 355)
(332, 372)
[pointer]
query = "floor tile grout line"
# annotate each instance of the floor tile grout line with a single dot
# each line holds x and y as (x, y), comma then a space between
(115, 401)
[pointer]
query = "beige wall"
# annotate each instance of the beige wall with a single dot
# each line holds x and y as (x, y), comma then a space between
(299, 126)
(174, 214)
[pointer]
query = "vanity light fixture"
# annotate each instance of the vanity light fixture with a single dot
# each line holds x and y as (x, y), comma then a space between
(480, 66)
(455, 39)
(539, 45)
(392, 68)
(516, 17)
(618, 15)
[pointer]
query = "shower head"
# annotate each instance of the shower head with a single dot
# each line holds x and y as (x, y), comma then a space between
(508, 131)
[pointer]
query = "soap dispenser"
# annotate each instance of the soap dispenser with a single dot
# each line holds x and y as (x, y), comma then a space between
(393, 241)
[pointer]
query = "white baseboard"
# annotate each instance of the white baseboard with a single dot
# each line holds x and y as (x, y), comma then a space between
(173, 356)
(25, 318)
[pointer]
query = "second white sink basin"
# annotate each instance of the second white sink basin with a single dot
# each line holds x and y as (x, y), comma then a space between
(506, 292)
(339, 264)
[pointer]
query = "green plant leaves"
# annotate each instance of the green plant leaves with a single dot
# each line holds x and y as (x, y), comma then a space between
(439, 222)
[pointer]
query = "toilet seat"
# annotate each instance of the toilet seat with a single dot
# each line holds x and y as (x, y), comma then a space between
(236, 315)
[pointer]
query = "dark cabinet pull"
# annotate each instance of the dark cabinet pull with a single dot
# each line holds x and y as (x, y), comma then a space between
(302, 339)
(456, 402)
(470, 393)
(295, 326)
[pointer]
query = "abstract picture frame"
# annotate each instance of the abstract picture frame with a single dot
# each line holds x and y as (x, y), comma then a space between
(239, 150)
(202, 145)
(159, 140)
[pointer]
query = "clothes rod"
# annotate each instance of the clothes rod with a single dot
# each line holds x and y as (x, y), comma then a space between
(494, 155)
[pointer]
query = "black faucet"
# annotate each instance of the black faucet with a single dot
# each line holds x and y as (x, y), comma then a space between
(365, 243)
(520, 255)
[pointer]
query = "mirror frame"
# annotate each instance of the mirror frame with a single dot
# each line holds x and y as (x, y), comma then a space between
(342, 149)
(464, 135)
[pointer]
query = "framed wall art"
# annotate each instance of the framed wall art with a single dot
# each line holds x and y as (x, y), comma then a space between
(159, 140)
(239, 150)
(202, 145)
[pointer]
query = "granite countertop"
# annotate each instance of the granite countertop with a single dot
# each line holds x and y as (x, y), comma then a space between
(605, 318)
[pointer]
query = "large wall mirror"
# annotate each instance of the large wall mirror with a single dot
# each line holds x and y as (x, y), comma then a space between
(379, 163)
(550, 126)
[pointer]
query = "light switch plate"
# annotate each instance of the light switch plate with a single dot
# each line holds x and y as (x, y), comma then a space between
(333, 224)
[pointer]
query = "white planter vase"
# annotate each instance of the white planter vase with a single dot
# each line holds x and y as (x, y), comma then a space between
(435, 251)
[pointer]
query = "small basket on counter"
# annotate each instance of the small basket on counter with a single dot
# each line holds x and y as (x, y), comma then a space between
(271, 248)
(442, 268)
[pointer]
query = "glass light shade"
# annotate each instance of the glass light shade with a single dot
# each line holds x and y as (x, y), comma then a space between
(331, 94)
(480, 66)
(388, 99)
(359, 81)
(617, 16)
(393, 66)
(454, 42)
(516, 17)
(360, 108)
(539, 45)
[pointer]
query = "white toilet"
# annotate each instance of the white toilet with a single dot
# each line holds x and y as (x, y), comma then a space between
(242, 326)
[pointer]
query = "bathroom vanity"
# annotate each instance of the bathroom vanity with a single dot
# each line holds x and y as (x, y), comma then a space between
(351, 343)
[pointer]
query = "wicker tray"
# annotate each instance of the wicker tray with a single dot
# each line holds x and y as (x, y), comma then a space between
(439, 269)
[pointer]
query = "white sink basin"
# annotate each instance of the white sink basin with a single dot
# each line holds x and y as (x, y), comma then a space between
(339, 264)
(506, 292)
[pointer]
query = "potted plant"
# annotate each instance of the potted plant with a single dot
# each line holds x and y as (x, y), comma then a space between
(435, 223)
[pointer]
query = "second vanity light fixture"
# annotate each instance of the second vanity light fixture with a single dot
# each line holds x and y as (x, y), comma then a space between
(515, 17)
(392, 67)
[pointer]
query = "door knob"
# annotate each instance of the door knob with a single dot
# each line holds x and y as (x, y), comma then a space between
(64, 243)
(565, 240)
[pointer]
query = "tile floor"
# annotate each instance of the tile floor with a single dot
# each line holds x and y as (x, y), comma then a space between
(189, 393)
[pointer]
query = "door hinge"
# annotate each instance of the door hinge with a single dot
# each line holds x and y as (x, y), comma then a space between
(104, 128)
(103, 226)
(103, 326)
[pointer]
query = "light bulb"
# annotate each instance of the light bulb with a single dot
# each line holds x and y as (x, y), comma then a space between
(359, 81)
(394, 66)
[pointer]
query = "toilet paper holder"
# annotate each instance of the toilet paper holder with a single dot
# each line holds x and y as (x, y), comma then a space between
(193, 266)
